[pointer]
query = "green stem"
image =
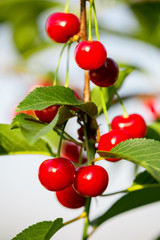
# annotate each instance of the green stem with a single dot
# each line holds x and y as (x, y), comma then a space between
(86, 224)
(60, 140)
(104, 107)
(67, 74)
(59, 59)
(95, 20)
(125, 114)
(90, 22)
(67, 137)
(75, 219)
(66, 10)
(114, 193)
(86, 139)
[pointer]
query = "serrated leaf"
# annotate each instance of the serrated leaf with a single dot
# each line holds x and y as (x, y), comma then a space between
(128, 202)
(44, 97)
(153, 131)
(40, 231)
(33, 129)
(13, 142)
(110, 91)
(143, 152)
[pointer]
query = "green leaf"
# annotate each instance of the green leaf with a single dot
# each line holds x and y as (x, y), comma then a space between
(33, 129)
(13, 142)
(143, 152)
(44, 97)
(130, 201)
(153, 131)
(40, 231)
(110, 91)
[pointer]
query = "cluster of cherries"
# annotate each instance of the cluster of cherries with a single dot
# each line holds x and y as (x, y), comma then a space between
(72, 185)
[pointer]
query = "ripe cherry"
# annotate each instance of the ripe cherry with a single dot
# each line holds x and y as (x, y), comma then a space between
(56, 174)
(47, 114)
(70, 198)
(134, 124)
(106, 75)
(91, 180)
(90, 55)
(111, 139)
(62, 26)
(72, 151)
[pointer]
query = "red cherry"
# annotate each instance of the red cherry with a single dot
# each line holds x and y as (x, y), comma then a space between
(56, 174)
(91, 180)
(70, 198)
(111, 139)
(134, 124)
(90, 55)
(106, 75)
(47, 114)
(72, 151)
(62, 26)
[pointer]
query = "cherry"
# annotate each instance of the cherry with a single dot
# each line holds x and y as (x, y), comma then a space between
(72, 151)
(106, 75)
(47, 114)
(91, 180)
(70, 198)
(62, 26)
(56, 174)
(90, 55)
(134, 124)
(111, 139)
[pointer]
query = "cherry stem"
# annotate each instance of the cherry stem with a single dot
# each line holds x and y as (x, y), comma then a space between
(86, 139)
(90, 22)
(97, 159)
(114, 193)
(75, 219)
(95, 19)
(67, 74)
(86, 224)
(59, 59)
(104, 107)
(60, 140)
(67, 137)
(66, 10)
(125, 114)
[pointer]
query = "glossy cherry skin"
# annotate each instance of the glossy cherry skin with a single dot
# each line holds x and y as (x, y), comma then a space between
(47, 114)
(111, 139)
(62, 26)
(70, 198)
(134, 124)
(56, 174)
(90, 55)
(72, 151)
(106, 75)
(91, 180)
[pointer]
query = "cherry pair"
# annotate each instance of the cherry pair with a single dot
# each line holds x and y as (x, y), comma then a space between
(123, 128)
(72, 185)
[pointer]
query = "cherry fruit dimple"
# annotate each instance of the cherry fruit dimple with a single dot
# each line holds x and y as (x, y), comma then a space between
(70, 198)
(134, 124)
(111, 139)
(91, 180)
(90, 55)
(106, 75)
(62, 26)
(56, 174)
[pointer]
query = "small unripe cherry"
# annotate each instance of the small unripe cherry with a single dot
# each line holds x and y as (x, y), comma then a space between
(134, 124)
(62, 26)
(106, 75)
(70, 198)
(47, 114)
(90, 54)
(56, 174)
(111, 139)
(91, 180)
